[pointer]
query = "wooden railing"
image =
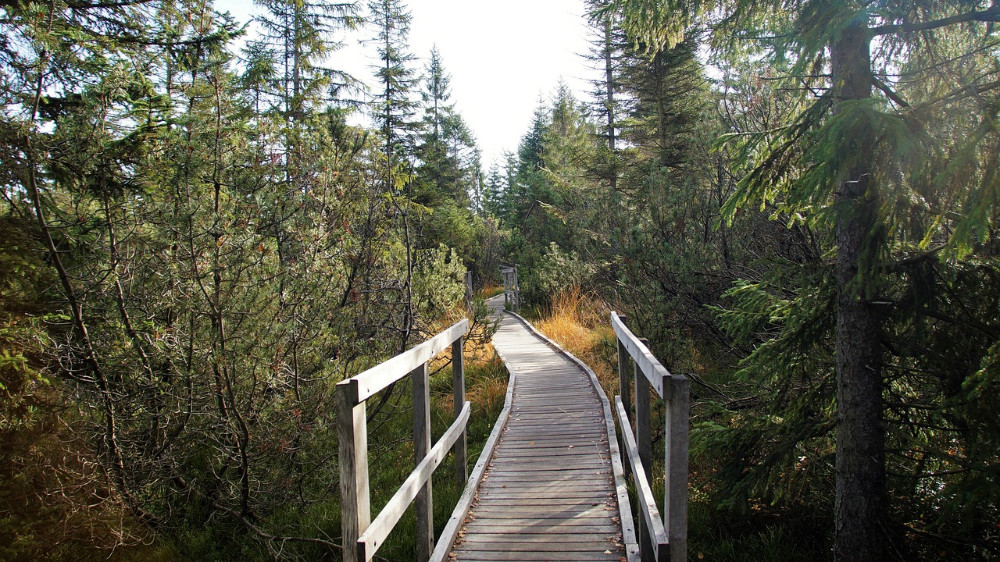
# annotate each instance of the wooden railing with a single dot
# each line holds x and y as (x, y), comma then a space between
(363, 537)
(511, 292)
(666, 538)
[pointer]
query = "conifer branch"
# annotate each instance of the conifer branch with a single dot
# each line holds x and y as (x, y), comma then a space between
(989, 15)
(885, 89)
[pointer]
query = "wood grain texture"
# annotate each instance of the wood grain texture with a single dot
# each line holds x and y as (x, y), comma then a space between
(363, 386)
(549, 490)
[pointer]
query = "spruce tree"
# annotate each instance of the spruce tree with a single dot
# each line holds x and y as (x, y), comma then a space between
(850, 160)
(393, 110)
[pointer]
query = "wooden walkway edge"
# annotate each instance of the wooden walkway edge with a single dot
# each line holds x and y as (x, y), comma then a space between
(550, 483)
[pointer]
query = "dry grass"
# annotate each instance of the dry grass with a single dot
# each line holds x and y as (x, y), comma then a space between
(491, 290)
(580, 323)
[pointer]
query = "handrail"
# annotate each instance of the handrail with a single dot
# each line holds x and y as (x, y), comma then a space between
(647, 503)
(362, 537)
(666, 539)
(363, 386)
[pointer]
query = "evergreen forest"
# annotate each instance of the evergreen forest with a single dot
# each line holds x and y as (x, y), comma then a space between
(203, 230)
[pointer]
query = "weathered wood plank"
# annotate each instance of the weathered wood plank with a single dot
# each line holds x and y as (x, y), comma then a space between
(549, 492)
(676, 453)
(647, 503)
(562, 527)
(373, 538)
(458, 398)
(424, 502)
(366, 384)
(475, 555)
(591, 512)
(547, 522)
(558, 542)
(352, 434)
(647, 364)
(533, 546)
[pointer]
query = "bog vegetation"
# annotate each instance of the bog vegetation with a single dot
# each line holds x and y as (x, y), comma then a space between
(796, 203)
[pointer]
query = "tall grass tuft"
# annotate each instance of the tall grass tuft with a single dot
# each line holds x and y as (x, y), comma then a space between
(580, 323)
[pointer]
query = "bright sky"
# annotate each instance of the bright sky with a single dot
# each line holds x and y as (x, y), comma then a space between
(502, 57)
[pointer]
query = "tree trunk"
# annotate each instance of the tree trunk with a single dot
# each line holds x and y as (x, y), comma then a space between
(860, 511)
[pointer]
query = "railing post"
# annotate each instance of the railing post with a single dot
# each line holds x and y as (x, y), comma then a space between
(458, 386)
(676, 452)
(352, 435)
(644, 442)
(624, 384)
(517, 293)
(468, 290)
(424, 502)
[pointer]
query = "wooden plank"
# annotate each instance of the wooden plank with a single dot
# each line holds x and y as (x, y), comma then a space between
(581, 556)
(366, 384)
(558, 503)
(494, 512)
(591, 512)
(529, 434)
(497, 467)
(551, 453)
(676, 452)
(516, 543)
(648, 364)
(373, 538)
(531, 546)
(529, 439)
(549, 522)
(506, 465)
(601, 489)
(539, 529)
(644, 441)
(458, 391)
(624, 373)
(558, 541)
(647, 504)
(514, 493)
(538, 480)
(352, 455)
(424, 502)
(528, 484)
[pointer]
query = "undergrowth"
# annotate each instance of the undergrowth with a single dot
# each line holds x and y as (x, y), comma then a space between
(580, 323)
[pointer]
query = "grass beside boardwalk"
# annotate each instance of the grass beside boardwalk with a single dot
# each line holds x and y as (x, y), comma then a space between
(580, 323)
(491, 291)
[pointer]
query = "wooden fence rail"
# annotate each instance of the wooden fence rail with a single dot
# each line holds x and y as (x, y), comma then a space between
(363, 537)
(666, 538)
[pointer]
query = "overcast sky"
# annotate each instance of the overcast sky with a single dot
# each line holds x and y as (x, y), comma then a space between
(502, 56)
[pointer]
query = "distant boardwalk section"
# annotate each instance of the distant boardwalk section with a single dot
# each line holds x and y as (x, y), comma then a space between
(553, 488)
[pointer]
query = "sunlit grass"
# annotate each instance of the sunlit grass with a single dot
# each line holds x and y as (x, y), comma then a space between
(491, 290)
(581, 324)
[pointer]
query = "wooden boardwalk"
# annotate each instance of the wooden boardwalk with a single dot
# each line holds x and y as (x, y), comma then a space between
(553, 487)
